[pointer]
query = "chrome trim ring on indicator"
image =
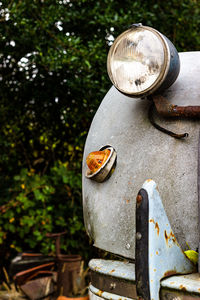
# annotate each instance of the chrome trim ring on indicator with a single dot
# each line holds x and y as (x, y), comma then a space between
(105, 170)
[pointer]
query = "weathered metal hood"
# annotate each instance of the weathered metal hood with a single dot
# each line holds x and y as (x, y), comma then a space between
(144, 153)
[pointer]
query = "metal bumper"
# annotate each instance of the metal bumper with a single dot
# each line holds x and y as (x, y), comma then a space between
(116, 280)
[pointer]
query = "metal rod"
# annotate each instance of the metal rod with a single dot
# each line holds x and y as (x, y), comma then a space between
(57, 238)
(167, 109)
(164, 130)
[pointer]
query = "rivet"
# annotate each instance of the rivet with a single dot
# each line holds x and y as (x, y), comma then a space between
(138, 236)
(112, 285)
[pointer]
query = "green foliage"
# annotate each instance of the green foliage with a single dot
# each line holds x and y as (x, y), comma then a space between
(42, 204)
(53, 77)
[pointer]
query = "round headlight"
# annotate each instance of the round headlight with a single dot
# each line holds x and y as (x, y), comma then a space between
(142, 61)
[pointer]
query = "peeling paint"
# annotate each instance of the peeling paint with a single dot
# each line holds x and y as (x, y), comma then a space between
(169, 273)
(170, 237)
(183, 288)
(97, 268)
(166, 237)
(99, 293)
(157, 228)
(149, 180)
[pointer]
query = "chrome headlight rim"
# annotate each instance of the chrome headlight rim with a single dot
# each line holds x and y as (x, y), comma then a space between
(165, 68)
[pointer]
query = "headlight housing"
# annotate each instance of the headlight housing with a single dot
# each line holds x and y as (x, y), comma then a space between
(142, 61)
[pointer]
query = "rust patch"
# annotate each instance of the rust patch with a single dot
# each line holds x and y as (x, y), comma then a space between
(157, 228)
(167, 109)
(169, 273)
(156, 225)
(166, 237)
(97, 268)
(154, 270)
(112, 271)
(183, 288)
(157, 252)
(127, 201)
(139, 199)
(148, 180)
(171, 237)
(99, 293)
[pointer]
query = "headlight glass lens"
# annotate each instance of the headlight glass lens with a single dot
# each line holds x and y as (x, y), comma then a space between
(136, 60)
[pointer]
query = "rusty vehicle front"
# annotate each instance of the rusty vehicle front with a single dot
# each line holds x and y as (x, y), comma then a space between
(140, 171)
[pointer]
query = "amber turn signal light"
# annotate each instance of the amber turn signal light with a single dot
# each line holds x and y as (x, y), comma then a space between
(100, 164)
(96, 159)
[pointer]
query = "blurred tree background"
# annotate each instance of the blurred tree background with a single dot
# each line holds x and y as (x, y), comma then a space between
(52, 79)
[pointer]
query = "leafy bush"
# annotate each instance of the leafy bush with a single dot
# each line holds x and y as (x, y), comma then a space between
(42, 204)
(53, 77)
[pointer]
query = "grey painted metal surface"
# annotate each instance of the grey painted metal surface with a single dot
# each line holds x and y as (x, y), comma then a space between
(142, 153)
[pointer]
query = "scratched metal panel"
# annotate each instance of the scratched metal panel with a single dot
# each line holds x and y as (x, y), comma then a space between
(187, 283)
(114, 268)
(142, 153)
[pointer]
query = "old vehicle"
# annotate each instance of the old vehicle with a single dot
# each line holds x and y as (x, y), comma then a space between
(140, 177)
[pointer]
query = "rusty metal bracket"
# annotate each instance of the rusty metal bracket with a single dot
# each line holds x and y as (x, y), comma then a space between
(162, 256)
(166, 109)
(160, 128)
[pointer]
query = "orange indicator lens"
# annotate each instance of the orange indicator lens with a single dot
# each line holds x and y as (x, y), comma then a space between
(96, 159)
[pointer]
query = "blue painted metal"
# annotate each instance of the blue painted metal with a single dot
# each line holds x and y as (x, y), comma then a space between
(188, 283)
(119, 269)
(105, 295)
(165, 255)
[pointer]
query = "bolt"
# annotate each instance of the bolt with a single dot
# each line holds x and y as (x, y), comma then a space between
(112, 285)
(138, 236)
